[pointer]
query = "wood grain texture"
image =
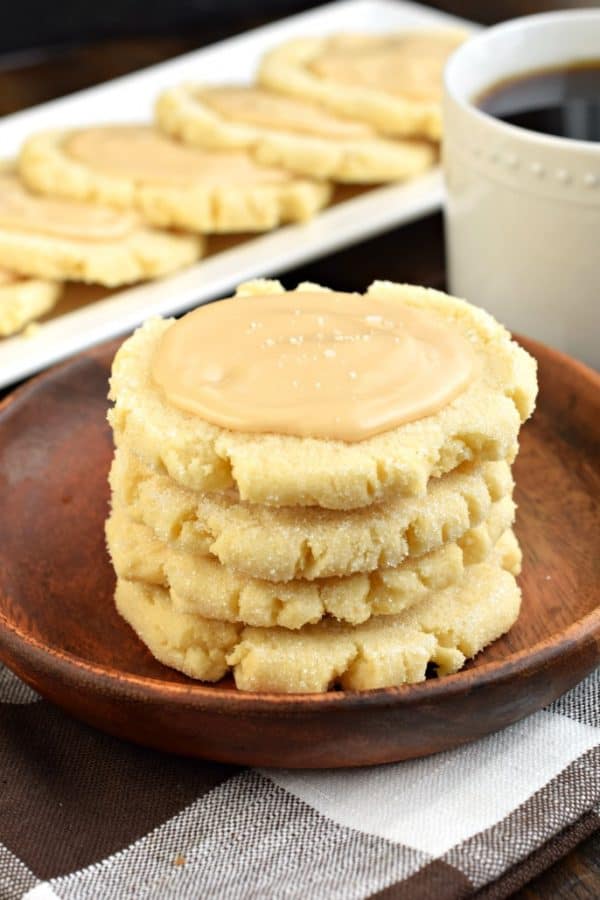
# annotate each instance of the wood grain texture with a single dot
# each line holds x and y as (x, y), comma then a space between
(60, 632)
(575, 877)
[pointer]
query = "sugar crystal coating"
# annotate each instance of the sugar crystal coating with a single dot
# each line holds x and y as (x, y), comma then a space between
(447, 629)
(202, 585)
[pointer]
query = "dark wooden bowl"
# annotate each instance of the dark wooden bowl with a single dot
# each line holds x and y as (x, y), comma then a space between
(60, 633)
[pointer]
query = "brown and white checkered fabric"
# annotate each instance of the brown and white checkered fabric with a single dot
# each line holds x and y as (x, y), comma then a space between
(83, 815)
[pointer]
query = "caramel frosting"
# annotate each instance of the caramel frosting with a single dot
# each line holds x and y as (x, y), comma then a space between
(7, 277)
(405, 65)
(312, 364)
(144, 154)
(23, 211)
(259, 107)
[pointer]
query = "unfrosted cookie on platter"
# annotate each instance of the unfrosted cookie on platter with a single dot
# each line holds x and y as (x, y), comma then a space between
(393, 82)
(200, 584)
(280, 544)
(477, 417)
(134, 167)
(62, 240)
(22, 300)
(445, 629)
(289, 132)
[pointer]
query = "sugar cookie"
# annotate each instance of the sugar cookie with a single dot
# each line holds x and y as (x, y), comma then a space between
(168, 184)
(393, 82)
(58, 239)
(288, 132)
(203, 585)
(445, 630)
(24, 299)
(481, 423)
(280, 544)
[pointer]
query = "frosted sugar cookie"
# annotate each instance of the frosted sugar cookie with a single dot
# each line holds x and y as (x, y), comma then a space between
(280, 544)
(286, 131)
(58, 239)
(393, 82)
(200, 584)
(349, 398)
(188, 643)
(24, 299)
(169, 184)
(445, 629)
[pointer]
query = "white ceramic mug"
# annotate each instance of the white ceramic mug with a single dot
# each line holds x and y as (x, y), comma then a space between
(523, 208)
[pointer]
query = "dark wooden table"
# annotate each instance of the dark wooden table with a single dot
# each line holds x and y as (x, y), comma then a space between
(414, 253)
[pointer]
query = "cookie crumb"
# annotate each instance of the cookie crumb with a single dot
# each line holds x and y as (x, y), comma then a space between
(179, 860)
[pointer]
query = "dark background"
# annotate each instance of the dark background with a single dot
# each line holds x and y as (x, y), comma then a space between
(33, 23)
(49, 48)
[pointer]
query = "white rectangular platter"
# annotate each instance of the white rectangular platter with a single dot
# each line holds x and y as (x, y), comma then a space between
(131, 99)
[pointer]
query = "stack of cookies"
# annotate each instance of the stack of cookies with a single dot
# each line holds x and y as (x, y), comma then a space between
(314, 490)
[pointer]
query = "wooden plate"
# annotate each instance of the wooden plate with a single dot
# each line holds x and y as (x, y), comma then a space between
(60, 632)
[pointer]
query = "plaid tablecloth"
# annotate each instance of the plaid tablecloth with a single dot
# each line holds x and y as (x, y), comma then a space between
(83, 815)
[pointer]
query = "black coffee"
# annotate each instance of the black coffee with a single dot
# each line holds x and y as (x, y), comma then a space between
(564, 101)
